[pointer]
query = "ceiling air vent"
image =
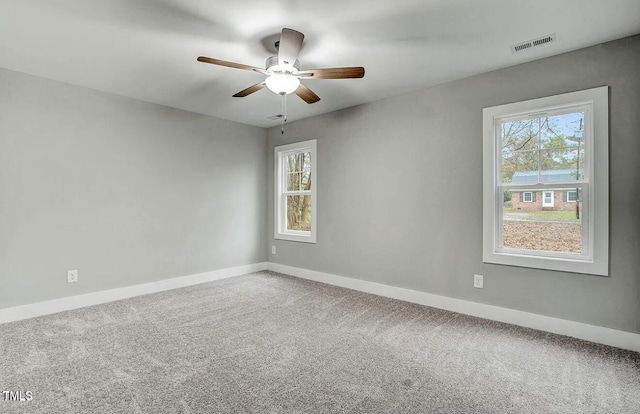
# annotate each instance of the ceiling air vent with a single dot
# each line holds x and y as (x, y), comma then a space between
(274, 117)
(533, 43)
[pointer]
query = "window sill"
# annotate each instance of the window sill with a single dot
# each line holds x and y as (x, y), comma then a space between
(296, 237)
(570, 265)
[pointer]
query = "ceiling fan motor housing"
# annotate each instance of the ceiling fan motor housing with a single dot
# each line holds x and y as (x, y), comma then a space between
(273, 65)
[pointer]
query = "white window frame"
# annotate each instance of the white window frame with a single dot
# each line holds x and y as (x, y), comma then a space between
(595, 186)
(572, 192)
(281, 152)
(524, 197)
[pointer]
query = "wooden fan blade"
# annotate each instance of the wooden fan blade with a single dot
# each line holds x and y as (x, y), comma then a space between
(307, 94)
(333, 73)
(250, 90)
(289, 47)
(213, 61)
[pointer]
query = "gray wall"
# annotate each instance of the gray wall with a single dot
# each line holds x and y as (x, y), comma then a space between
(125, 191)
(413, 164)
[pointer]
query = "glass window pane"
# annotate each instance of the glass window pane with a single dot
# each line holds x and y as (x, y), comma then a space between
(543, 149)
(291, 163)
(299, 161)
(565, 130)
(559, 165)
(520, 167)
(293, 181)
(305, 180)
(306, 166)
(298, 166)
(519, 135)
(546, 220)
(299, 212)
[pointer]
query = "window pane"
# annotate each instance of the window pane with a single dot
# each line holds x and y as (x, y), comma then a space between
(520, 167)
(543, 149)
(293, 181)
(559, 165)
(299, 161)
(306, 165)
(292, 163)
(298, 171)
(305, 180)
(299, 212)
(546, 220)
(565, 130)
(520, 135)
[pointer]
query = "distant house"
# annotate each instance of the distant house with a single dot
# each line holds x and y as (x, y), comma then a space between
(559, 199)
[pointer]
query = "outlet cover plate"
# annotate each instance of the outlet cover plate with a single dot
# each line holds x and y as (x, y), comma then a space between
(478, 281)
(72, 276)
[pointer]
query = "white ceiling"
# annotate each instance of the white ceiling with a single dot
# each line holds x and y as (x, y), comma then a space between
(147, 49)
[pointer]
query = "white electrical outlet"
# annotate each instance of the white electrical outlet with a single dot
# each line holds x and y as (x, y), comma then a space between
(273, 249)
(478, 281)
(72, 276)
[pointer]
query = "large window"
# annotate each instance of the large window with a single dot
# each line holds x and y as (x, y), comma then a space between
(295, 192)
(546, 183)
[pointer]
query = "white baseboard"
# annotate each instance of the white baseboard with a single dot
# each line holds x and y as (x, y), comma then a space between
(95, 298)
(598, 334)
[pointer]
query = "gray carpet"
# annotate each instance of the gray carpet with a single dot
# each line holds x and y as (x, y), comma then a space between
(270, 343)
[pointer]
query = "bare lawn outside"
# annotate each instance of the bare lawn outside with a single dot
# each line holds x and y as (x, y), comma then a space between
(556, 231)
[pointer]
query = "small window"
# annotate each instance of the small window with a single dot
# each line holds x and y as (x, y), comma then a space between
(295, 187)
(553, 150)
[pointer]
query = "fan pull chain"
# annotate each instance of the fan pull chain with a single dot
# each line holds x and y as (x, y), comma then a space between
(284, 112)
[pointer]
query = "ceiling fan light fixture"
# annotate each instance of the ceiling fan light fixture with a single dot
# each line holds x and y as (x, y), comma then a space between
(282, 84)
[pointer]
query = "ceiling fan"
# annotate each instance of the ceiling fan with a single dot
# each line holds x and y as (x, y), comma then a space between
(283, 71)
